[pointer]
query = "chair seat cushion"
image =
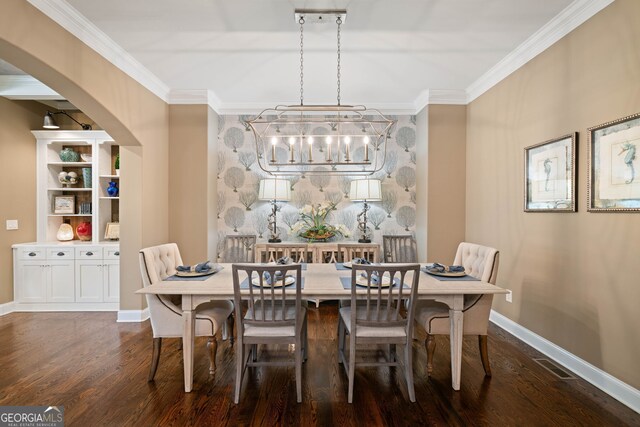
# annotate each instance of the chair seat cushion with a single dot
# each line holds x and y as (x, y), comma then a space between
(428, 310)
(272, 331)
(216, 313)
(371, 331)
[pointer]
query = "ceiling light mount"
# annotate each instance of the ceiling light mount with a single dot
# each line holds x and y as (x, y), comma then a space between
(320, 139)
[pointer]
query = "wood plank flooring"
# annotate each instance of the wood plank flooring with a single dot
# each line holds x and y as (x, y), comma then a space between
(97, 369)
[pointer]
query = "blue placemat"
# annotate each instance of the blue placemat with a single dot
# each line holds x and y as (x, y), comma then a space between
(175, 278)
(346, 283)
(340, 266)
(466, 278)
(245, 284)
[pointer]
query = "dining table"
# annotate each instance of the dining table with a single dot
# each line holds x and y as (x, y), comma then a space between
(321, 281)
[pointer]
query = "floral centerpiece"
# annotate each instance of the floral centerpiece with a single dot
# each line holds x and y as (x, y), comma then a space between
(313, 223)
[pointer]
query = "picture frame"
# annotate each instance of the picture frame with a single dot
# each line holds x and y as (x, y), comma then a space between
(64, 205)
(112, 231)
(613, 184)
(550, 175)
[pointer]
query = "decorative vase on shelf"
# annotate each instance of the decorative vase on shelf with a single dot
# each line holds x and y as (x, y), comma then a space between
(65, 232)
(83, 230)
(86, 177)
(113, 190)
(67, 154)
(68, 178)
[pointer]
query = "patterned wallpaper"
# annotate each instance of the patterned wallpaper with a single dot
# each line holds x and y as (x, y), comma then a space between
(238, 174)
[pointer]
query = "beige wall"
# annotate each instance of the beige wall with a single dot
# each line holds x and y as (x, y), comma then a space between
(574, 276)
(188, 168)
(446, 181)
(18, 188)
(135, 117)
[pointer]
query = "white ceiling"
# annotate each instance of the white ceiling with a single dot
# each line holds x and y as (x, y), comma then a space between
(247, 51)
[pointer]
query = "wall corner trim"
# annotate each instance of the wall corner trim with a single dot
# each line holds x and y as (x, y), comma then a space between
(574, 15)
(617, 389)
(125, 316)
(7, 308)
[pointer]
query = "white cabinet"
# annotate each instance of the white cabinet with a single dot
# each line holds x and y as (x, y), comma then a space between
(66, 276)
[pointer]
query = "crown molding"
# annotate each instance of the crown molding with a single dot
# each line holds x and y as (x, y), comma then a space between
(73, 21)
(26, 87)
(441, 97)
(562, 24)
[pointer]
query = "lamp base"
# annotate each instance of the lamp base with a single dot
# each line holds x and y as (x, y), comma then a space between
(364, 240)
(274, 240)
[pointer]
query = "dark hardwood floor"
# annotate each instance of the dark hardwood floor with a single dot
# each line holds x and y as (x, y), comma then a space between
(97, 369)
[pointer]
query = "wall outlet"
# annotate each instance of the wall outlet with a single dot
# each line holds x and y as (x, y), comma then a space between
(12, 224)
(509, 295)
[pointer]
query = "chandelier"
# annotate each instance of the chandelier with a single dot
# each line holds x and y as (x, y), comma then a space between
(320, 139)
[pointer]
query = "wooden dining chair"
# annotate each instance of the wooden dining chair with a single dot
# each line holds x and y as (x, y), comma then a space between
(240, 248)
(156, 264)
(399, 248)
(379, 317)
(349, 251)
(270, 318)
(480, 262)
(298, 252)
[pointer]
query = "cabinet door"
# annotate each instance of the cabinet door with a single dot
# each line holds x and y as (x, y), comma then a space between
(89, 281)
(61, 281)
(111, 281)
(32, 281)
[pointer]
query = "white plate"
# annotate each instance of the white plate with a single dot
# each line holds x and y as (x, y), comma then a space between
(349, 264)
(289, 280)
(362, 281)
(194, 274)
(445, 273)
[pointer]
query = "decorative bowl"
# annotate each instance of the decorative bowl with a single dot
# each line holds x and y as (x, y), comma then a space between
(86, 157)
(68, 178)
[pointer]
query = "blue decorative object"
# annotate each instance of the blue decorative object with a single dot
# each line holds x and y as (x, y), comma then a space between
(113, 190)
(67, 154)
(86, 177)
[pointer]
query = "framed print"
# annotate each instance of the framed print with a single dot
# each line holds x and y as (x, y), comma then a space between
(550, 175)
(112, 231)
(64, 205)
(614, 166)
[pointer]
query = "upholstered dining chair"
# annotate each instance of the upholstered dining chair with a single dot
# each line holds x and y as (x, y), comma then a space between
(271, 318)
(240, 248)
(399, 248)
(480, 262)
(298, 252)
(156, 264)
(380, 318)
(349, 251)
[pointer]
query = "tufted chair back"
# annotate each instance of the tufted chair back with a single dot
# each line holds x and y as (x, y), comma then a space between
(479, 261)
(156, 264)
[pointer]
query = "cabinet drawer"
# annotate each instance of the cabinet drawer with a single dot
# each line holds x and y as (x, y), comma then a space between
(111, 253)
(27, 253)
(60, 253)
(89, 253)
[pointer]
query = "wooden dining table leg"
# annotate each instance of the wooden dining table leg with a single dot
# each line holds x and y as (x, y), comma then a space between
(456, 319)
(189, 321)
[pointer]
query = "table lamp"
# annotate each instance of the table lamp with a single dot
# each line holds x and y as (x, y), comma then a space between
(366, 190)
(274, 190)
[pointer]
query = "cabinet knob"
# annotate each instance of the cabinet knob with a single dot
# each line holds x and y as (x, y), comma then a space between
(117, 253)
(60, 254)
(32, 254)
(89, 253)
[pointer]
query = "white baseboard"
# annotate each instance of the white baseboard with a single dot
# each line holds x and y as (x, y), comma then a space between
(133, 315)
(6, 308)
(617, 389)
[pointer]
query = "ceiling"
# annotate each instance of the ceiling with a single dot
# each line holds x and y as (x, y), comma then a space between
(246, 52)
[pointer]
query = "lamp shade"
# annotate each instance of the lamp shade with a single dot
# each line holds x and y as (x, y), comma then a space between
(275, 189)
(49, 123)
(366, 189)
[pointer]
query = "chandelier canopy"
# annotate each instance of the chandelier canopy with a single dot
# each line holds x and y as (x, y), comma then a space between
(320, 139)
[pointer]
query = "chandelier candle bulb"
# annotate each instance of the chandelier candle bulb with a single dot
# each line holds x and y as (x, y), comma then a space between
(292, 141)
(347, 142)
(329, 141)
(310, 141)
(274, 141)
(366, 149)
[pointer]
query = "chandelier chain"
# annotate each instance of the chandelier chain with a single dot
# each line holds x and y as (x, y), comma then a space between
(301, 21)
(339, 22)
